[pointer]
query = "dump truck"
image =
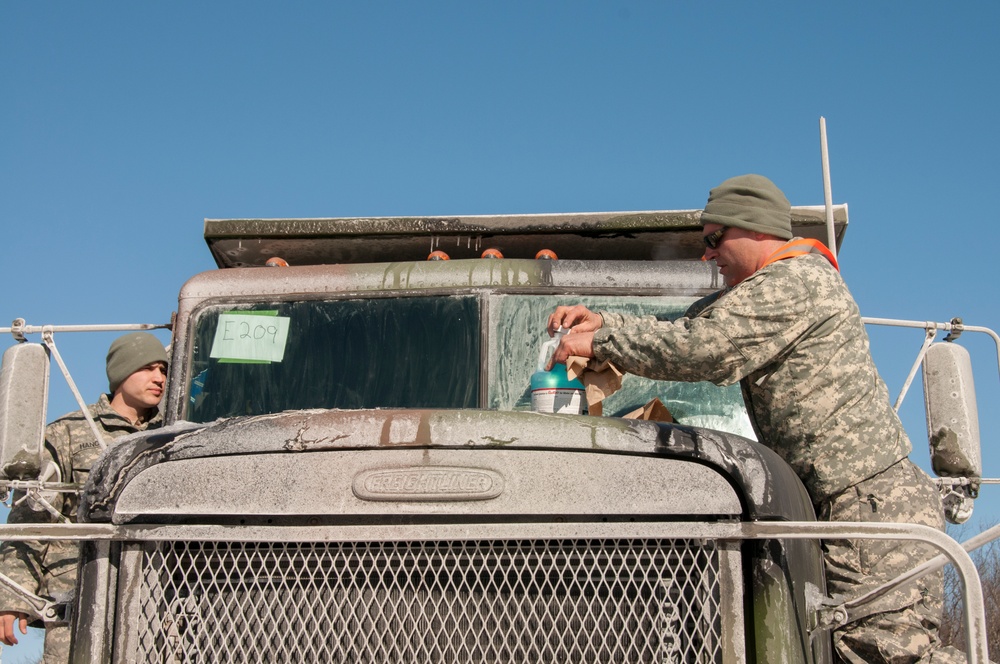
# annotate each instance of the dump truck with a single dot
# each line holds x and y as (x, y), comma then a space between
(351, 470)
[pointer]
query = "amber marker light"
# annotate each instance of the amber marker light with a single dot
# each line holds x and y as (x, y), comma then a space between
(276, 261)
(492, 252)
(547, 255)
(438, 256)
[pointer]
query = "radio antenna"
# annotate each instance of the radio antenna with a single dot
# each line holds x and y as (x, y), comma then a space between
(831, 239)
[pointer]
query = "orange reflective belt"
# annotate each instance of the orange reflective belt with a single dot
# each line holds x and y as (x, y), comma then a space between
(801, 247)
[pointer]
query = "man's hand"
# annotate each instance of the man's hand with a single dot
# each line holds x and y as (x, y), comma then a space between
(575, 343)
(576, 319)
(7, 619)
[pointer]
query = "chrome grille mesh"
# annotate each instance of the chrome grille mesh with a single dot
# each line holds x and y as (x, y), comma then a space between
(627, 600)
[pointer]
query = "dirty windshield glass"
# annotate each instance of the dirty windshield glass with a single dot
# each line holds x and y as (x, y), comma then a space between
(519, 332)
(413, 352)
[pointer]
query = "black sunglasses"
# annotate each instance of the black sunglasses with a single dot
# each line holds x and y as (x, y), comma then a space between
(712, 240)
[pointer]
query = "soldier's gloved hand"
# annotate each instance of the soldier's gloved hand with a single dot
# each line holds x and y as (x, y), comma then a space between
(7, 619)
(577, 318)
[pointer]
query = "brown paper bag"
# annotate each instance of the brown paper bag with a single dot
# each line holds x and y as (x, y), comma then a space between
(653, 411)
(601, 380)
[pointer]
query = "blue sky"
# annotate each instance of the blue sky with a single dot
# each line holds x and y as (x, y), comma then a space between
(124, 125)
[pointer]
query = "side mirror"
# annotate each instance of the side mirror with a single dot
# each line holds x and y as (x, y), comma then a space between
(24, 392)
(953, 423)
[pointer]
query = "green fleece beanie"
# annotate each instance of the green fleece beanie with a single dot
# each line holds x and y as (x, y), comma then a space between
(751, 202)
(130, 353)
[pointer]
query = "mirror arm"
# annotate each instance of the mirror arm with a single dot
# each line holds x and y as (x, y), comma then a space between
(929, 333)
(45, 609)
(49, 341)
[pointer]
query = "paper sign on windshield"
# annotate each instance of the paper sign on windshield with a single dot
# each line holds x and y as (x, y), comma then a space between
(251, 337)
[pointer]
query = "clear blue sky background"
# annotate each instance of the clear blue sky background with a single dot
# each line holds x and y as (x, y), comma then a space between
(123, 125)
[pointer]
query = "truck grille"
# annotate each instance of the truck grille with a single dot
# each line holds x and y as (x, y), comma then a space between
(599, 600)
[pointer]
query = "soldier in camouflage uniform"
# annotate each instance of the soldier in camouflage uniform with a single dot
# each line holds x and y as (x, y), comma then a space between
(787, 328)
(136, 368)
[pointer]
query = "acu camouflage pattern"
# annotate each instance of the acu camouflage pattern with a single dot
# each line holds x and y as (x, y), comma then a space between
(48, 569)
(901, 626)
(793, 335)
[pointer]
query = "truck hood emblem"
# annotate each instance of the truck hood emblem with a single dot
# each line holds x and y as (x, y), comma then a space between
(428, 483)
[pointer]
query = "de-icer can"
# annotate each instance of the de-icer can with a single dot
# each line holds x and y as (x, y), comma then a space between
(554, 392)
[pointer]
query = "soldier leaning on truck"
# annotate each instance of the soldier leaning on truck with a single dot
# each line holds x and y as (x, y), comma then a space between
(789, 330)
(136, 367)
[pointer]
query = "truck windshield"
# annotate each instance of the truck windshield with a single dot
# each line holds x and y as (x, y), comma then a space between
(519, 330)
(412, 352)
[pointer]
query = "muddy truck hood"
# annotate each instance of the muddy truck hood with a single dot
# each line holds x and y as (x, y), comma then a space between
(330, 464)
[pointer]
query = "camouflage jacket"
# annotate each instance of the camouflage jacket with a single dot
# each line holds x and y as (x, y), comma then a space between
(48, 569)
(792, 333)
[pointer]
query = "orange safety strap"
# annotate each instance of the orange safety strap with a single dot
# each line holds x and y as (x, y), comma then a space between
(801, 247)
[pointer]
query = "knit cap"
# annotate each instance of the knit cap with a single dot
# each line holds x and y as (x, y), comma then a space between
(130, 353)
(751, 202)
